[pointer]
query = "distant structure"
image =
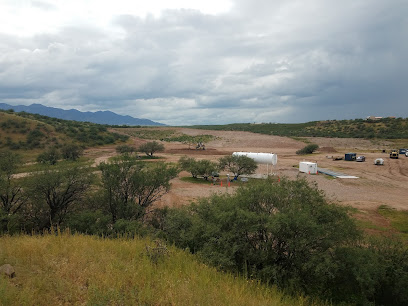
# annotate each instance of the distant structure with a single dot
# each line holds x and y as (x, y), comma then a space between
(373, 118)
(379, 118)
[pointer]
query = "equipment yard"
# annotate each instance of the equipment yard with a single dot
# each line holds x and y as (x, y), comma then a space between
(375, 186)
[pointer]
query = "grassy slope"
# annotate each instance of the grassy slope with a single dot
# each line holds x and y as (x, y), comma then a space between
(76, 269)
(30, 134)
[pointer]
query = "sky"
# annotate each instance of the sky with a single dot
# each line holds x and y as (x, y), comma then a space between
(186, 62)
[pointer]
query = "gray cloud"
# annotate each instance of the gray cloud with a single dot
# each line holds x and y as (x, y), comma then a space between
(280, 61)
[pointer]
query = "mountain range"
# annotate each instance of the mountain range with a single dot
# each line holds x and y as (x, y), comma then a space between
(100, 117)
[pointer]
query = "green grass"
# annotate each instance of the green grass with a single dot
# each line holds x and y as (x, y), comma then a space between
(366, 224)
(60, 165)
(67, 269)
(398, 218)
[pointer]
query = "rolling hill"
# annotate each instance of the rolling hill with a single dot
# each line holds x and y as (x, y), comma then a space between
(100, 117)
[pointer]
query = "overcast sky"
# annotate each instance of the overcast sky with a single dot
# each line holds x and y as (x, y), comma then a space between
(184, 62)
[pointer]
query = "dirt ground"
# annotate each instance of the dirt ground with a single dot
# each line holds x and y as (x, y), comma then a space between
(375, 185)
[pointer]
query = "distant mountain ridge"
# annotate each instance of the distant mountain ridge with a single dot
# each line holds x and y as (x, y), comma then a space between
(100, 117)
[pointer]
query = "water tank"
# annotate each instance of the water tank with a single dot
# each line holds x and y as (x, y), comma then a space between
(260, 158)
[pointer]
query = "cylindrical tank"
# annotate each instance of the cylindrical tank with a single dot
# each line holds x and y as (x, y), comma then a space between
(260, 158)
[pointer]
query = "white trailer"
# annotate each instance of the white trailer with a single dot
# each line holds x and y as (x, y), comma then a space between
(308, 167)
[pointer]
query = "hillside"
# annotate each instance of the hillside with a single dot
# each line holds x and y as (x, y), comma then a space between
(75, 269)
(387, 128)
(100, 117)
(24, 131)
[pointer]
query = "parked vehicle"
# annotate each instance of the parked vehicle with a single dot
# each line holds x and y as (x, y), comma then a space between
(402, 151)
(394, 154)
(360, 158)
(379, 162)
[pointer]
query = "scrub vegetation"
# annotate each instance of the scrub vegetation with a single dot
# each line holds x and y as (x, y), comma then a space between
(23, 131)
(386, 128)
(274, 241)
(168, 135)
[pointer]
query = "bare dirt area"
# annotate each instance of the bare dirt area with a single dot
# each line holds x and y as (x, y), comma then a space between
(376, 185)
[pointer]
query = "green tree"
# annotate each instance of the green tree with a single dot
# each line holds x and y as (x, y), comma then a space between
(12, 197)
(117, 186)
(71, 151)
(203, 167)
(125, 149)
(283, 233)
(50, 156)
(238, 165)
(309, 149)
(131, 186)
(150, 148)
(54, 192)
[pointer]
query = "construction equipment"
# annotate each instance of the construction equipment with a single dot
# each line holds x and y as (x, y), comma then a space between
(200, 146)
(394, 154)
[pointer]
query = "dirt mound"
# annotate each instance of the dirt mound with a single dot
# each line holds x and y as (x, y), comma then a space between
(327, 150)
(196, 152)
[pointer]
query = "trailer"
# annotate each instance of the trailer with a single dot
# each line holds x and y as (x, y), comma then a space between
(350, 156)
(308, 167)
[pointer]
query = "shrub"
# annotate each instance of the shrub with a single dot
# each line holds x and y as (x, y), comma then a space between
(71, 151)
(202, 168)
(50, 156)
(125, 149)
(309, 149)
(285, 233)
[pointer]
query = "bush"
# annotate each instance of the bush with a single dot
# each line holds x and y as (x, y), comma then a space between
(71, 151)
(287, 234)
(125, 149)
(203, 168)
(50, 156)
(309, 149)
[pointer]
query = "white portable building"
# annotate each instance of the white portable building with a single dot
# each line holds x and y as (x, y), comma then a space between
(260, 158)
(308, 167)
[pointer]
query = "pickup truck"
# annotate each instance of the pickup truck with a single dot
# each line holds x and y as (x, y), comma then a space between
(360, 158)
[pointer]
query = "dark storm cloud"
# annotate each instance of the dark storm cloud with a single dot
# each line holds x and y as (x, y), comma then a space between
(280, 61)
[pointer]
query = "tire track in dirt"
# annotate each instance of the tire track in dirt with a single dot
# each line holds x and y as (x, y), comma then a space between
(401, 168)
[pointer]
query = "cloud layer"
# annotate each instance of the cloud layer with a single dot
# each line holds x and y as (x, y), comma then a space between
(252, 61)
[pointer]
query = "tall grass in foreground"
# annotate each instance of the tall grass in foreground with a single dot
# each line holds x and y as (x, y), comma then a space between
(78, 269)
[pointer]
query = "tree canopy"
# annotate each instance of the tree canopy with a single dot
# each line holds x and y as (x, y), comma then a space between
(150, 148)
(238, 165)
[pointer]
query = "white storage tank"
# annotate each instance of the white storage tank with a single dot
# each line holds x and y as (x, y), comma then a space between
(308, 167)
(260, 158)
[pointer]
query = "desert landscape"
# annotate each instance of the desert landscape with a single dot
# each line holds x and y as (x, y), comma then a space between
(375, 185)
